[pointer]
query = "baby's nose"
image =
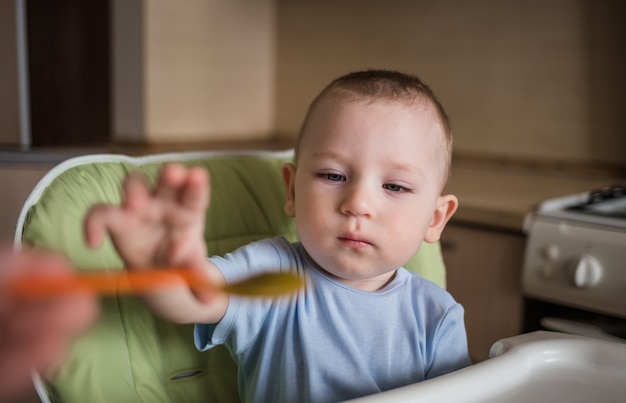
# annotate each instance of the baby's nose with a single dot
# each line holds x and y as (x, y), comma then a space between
(358, 200)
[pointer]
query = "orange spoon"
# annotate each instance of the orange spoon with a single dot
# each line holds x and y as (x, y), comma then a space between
(139, 282)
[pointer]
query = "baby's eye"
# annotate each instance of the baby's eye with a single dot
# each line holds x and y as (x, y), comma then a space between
(332, 177)
(395, 188)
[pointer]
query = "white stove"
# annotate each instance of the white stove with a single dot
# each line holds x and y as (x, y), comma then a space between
(575, 263)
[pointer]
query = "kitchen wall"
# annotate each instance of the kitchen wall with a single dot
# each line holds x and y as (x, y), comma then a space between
(16, 182)
(538, 80)
(520, 79)
(193, 71)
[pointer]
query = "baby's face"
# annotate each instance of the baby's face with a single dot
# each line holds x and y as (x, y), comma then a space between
(366, 190)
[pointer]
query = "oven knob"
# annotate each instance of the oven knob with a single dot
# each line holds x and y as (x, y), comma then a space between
(586, 271)
(551, 252)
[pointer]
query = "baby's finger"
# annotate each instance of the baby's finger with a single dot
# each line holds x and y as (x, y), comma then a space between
(170, 181)
(100, 220)
(196, 192)
(136, 192)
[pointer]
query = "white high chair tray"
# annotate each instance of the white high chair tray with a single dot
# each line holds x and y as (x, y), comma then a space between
(534, 367)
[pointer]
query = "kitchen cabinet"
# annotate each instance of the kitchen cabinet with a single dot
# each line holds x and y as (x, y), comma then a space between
(484, 274)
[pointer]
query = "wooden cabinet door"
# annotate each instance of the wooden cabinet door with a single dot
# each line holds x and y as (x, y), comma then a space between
(484, 275)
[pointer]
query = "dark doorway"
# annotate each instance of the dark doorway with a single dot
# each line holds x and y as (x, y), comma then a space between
(69, 72)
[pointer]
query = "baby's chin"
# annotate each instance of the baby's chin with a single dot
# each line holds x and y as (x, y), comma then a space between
(362, 281)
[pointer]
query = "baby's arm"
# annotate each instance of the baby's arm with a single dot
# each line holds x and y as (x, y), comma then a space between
(163, 227)
(179, 304)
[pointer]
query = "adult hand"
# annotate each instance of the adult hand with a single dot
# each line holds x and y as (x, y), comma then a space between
(35, 334)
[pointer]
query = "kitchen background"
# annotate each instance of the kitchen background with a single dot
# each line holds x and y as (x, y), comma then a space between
(535, 89)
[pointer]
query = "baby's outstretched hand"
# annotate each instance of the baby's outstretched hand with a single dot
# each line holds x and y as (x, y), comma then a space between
(162, 226)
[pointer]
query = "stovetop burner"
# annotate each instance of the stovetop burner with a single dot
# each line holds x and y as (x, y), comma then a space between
(606, 206)
(608, 202)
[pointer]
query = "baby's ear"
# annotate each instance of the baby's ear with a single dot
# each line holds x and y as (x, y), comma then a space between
(446, 206)
(289, 178)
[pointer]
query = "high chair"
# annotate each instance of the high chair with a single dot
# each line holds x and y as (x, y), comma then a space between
(130, 355)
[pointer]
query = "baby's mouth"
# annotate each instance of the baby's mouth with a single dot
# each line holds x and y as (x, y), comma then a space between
(354, 242)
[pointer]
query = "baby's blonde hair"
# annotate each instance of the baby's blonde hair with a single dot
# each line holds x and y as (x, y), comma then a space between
(385, 85)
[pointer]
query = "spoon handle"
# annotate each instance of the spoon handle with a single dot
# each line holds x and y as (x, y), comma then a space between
(142, 281)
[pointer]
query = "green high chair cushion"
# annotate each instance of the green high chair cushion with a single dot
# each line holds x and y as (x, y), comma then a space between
(130, 355)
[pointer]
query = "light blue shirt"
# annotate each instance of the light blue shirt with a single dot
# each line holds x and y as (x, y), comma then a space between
(330, 342)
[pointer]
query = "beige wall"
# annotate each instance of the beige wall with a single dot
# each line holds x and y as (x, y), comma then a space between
(17, 182)
(200, 70)
(525, 79)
